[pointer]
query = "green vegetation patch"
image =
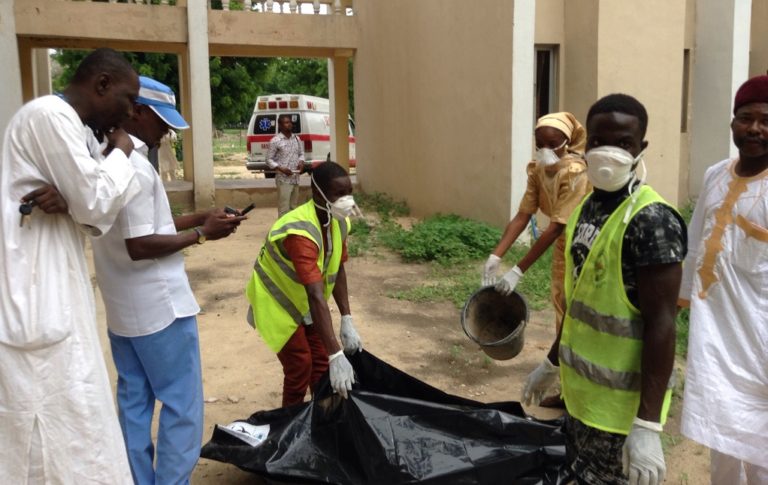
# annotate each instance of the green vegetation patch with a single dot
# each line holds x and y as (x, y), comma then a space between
(382, 204)
(446, 239)
(454, 248)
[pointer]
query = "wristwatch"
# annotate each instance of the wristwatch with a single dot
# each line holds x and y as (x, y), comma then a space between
(200, 235)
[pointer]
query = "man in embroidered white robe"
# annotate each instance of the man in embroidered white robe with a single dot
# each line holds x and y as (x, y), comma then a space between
(726, 282)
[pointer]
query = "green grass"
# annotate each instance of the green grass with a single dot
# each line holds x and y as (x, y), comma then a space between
(176, 210)
(446, 240)
(385, 206)
(682, 325)
(359, 241)
(227, 145)
(452, 247)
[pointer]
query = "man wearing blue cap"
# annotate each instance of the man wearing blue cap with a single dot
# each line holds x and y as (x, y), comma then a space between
(150, 306)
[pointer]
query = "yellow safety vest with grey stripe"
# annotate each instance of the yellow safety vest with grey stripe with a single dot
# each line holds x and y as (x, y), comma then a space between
(602, 338)
(277, 297)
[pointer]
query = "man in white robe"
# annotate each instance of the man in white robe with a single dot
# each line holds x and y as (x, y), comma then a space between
(57, 419)
(725, 279)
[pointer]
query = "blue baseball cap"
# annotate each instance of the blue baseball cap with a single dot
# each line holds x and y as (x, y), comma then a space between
(161, 99)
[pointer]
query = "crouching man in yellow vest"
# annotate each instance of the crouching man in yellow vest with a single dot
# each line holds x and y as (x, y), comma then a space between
(299, 267)
(614, 354)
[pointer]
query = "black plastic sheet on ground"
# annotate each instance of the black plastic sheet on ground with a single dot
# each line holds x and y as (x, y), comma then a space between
(395, 429)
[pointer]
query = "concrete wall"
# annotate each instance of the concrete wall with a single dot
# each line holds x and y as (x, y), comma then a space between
(403, 60)
(550, 22)
(651, 72)
(161, 28)
(10, 79)
(580, 51)
(440, 104)
(721, 65)
(758, 55)
(608, 50)
(550, 31)
(689, 41)
(433, 83)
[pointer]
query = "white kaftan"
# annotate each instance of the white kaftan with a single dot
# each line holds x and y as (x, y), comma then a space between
(53, 380)
(726, 280)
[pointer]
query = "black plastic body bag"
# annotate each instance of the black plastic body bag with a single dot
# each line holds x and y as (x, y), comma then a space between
(395, 429)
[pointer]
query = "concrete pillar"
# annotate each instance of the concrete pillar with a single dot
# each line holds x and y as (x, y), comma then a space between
(41, 64)
(522, 97)
(26, 70)
(185, 93)
(338, 87)
(201, 122)
(10, 76)
(721, 64)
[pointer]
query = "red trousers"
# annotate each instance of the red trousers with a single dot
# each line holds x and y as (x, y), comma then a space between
(304, 361)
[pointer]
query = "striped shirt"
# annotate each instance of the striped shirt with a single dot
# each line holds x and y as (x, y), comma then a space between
(285, 152)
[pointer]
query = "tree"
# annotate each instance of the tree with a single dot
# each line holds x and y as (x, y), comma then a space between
(296, 75)
(163, 67)
(235, 81)
(302, 76)
(235, 84)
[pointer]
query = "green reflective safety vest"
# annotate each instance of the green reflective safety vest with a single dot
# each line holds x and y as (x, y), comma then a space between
(278, 299)
(601, 343)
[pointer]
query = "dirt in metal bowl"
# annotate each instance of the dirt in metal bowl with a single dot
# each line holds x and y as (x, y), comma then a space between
(496, 322)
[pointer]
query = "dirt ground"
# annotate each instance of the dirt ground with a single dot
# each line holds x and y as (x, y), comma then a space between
(241, 375)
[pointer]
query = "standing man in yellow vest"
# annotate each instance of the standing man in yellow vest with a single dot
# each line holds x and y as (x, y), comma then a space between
(299, 267)
(614, 354)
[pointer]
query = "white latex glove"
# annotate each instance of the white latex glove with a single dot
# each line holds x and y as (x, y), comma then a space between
(341, 372)
(642, 456)
(507, 283)
(539, 381)
(490, 269)
(350, 339)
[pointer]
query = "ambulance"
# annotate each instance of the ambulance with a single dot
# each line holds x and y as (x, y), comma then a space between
(311, 122)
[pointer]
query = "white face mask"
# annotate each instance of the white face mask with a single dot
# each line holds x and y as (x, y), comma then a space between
(341, 208)
(610, 168)
(344, 207)
(547, 156)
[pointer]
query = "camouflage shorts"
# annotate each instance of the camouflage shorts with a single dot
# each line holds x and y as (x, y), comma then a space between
(594, 455)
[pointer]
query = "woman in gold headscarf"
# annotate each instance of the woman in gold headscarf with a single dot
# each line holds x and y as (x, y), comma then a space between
(556, 184)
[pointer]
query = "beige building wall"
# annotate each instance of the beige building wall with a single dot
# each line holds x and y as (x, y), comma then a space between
(758, 55)
(433, 84)
(550, 22)
(417, 132)
(10, 78)
(721, 66)
(687, 103)
(550, 32)
(580, 63)
(436, 81)
(651, 72)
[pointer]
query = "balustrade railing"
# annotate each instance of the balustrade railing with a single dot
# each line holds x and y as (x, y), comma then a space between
(317, 7)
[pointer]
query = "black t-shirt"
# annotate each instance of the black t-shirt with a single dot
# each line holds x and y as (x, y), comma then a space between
(655, 235)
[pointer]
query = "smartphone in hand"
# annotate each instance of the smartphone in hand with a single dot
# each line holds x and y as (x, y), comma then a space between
(235, 212)
(248, 209)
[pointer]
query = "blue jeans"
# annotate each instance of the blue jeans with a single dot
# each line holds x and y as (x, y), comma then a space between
(164, 366)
